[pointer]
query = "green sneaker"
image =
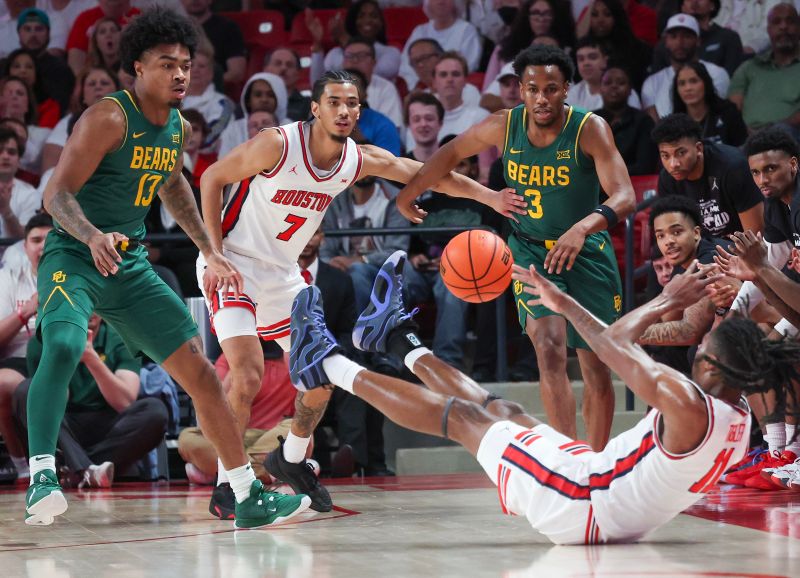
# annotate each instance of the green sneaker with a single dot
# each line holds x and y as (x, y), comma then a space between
(265, 508)
(44, 500)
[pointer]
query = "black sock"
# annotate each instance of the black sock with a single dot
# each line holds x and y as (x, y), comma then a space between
(404, 339)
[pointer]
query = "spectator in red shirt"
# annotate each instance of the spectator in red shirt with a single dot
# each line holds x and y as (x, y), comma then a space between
(22, 64)
(225, 36)
(78, 41)
(270, 416)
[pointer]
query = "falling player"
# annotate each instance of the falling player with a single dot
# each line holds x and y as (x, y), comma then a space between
(299, 168)
(557, 157)
(124, 150)
(642, 479)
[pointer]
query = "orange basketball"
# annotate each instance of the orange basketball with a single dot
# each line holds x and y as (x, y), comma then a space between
(476, 266)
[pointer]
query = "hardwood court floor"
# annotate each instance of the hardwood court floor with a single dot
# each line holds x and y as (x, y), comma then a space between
(423, 526)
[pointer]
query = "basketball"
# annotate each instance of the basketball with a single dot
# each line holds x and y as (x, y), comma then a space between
(476, 266)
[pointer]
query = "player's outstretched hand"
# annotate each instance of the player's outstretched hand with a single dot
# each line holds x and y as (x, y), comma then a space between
(507, 202)
(407, 205)
(104, 251)
(689, 287)
(751, 249)
(227, 277)
(565, 251)
(546, 292)
(732, 266)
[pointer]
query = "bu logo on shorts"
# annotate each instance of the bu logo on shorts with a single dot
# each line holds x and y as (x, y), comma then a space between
(59, 277)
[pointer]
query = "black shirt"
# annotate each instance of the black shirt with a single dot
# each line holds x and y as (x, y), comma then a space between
(725, 125)
(632, 137)
(726, 189)
(225, 37)
(782, 221)
(298, 106)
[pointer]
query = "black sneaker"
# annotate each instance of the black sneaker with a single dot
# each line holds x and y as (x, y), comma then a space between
(300, 477)
(223, 502)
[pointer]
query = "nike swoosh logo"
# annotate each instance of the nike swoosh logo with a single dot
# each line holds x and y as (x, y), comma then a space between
(138, 134)
(39, 459)
(514, 151)
(603, 244)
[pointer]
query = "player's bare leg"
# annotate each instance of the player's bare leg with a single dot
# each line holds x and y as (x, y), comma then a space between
(192, 370)
(447, 380)
(246, 360)
(309, 407)
(549, 338)
(598, 399)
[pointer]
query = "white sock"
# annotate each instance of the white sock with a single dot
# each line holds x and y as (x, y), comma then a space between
(341, 371)
(413, 355)
(222, 475)
(294, 448)
(792, 446)
(21, 465)
(40, 463)
(241, 479)
(775, 436)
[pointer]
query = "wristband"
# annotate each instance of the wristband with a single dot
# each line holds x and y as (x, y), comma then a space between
(721, 311)
(609, 214)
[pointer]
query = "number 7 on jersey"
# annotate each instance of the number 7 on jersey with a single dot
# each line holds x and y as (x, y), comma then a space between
(295, 223)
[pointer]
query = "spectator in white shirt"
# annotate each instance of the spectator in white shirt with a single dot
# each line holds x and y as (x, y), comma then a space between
(748, 18)
(449, 79)
(215, 107)
(424, 116)
(682, 40)
(364, 19)
(592, 61)
(17, 102)
(359, 54)
(62, 14)
(451, 31)
(19, 201)
(93, 84)
(18, 303)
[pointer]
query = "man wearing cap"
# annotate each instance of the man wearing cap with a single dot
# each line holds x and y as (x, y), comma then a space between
(765, 88)
(503, 92)
(33, 29)
(682, 39)
(718, 44)
(8, 22)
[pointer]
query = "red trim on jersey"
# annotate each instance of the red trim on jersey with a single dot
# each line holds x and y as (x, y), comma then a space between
(501, 473)
(275, 326)
(285, 154)
(231, 214)
(358, 165)
(275, 336)
(308, 164)
(545, 476)
(230, 300)
(622, 466)
(589, 525)
(274, 331)
(576, 448)
(709, 409)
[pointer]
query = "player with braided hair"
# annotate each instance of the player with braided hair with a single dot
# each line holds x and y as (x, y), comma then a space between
(642, 479)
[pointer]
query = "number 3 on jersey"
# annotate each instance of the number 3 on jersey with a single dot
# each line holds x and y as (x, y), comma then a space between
(535, 212)
(295, 223)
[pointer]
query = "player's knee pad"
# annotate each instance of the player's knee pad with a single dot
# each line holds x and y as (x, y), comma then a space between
(234, 322)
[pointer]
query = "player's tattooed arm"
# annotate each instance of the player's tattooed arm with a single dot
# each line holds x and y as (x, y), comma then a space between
(177, 197)
(64, 208)
(696, 322)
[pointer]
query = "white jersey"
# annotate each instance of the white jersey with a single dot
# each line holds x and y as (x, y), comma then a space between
(576, 496)
(636, 485)
(272, 216)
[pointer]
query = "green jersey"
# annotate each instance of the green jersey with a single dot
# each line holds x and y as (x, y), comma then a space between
(118, 195)
(558, 181)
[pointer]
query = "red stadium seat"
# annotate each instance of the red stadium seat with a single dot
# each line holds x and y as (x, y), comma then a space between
(400, 23)
(476, 78)
(641, 227)
(300, 36)
(260, 27)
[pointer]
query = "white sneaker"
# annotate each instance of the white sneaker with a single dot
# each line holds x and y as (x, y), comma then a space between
(101, 476)
(784, 475)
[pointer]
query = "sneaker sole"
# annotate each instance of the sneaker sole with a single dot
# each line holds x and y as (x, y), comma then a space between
(305, 502)
(43, 512)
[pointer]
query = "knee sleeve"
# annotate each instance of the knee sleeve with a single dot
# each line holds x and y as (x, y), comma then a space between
(234, 322)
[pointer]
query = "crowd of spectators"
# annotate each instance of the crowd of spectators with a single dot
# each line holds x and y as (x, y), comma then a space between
(683, 85)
